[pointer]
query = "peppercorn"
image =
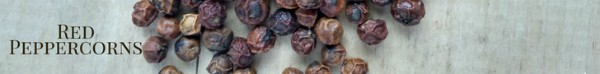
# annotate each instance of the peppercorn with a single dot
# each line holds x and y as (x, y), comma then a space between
(307, 17)
(354, 66)
(188, 25)
(333, 55)
(240, 53)
(372, 31)
(143, 13)
(282, 22)
(169, 69)
(248, 70)
(357, 12)
(191, 3)
(217, 40)
(168, 27)
(211, 14)
(317, 68)
(303, 41)
(220, 64)
(408, 12)
(382, 2)
(332, 8)
(187, 49)
(291, 70)
(309, 4)
(261, 40)
(154, 49)
(329, 31)
(287, 4)
(252, 12)
(168, 7)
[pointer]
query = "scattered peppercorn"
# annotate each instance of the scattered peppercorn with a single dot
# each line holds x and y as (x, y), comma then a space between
(354, 66)
(333, 55)
(168, 7)
(217, 40)
(317, 68)
(154, 49)
(291, 70)
(332, 8)
(168, 27)
(357, 12)
(372, 31)
(307, 17)
(143, 13)
(188, 25)
(261, 40)
(187, 49)
(240, 53)
(303, 41)
(169, 69)
(252, 12)
(329, 31)
(220, 64)
(408, 12)
(211, 14)
(282, 22)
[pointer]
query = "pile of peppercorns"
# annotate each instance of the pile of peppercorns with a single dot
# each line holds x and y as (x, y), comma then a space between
(306, 20)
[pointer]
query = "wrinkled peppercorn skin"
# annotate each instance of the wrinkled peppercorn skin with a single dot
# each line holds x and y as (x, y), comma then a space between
(333, 55)
(382, 2)
(169, 69)
(408, 12)
(372, 31)
(287, 4)
(220, 64)
(354, 66)
(187, 49)
(329, 31)
(154, 49)
(306, 18)
(252, 12)
(317, 68)
(291, 70)
(143, 13)
(261, 40)
(240, 53)
(357, 12)
(211, 14)
(303, 41)
(309, 4)
(217, 40)
(168, 27)
(188, 25)
(282, 22)
(168, 7)
(248, 70)
(332, 8)
(191, 3)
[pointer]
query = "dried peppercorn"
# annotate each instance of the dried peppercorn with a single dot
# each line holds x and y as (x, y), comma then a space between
(303, 41)
(382, 2)
(309, 4)
(169, 69)
(282, 22)
(154, 49)
(291, 70)
(248, 70)
(261, 40)
(191, 3)
(329, 31)
(287, 4)
(188, 25)
(317, 68)
(217, 40)
(357, 12)
(354, 66)
(211, 14)
(252, 12)
(187, 49)
(168, 7)
(333, 55)
(240, 53)
(220, 64)
(143, 13)
(372, 31)
(408, 12)
(307, 17)
(168, 27)
(332, 8)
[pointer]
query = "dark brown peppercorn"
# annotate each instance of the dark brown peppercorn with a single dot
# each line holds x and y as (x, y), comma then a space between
(191, 3)
(372, 31)
(252, 12)
(309, 4)
(188, 25)
(357, 12)
(303, 41)
(248, 70)
(329, 31)
(220, 64)
(287, 4)
(408, 12)
(154, 49)
(169, 69)
(211, 14)
(282, 22)
(382, 2)
(291, 70)
(355, 66)
(317, 68)
(143, 13)
(333, 55)
(168, 27)
(332, 8)
(307, 18)
(261, 40)
(240, 53)
(187, 49)
(168, 7)
(217, 40)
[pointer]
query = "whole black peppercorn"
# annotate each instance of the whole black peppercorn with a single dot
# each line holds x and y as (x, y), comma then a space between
(357, 12)
(187, 49)
(408, 12)
(168, 27)
(317, 68)
(372, 31)
(217, 40)
(261, 40)
(354, 66)
(154, 49)
(287, 4)
(169, 69)
(332, 8)
(240, 53)
(220, 64)
(144, 13)
(333, 55)
(211, 14)
(168, 7)
(303, 41)
(248, 70)
(191, 3)
(329, 31)
(309, 4)
(382, 2)
(307, 17)
(252, 12)
(291, 70)
(188, 25)
(282, 22)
